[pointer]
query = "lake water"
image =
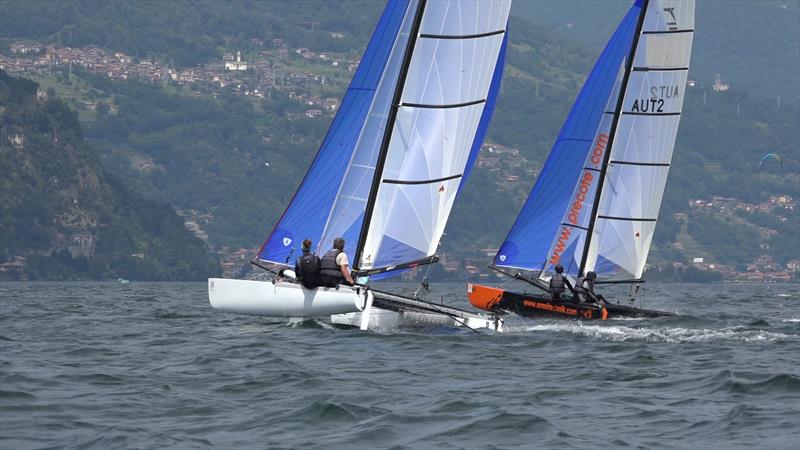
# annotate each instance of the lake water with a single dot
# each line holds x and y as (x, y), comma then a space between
(151, 365)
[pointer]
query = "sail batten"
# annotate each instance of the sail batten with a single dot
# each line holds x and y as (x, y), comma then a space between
(658, 69)
(668, 31)
(638, 163)
(443, 106)
(435, 180)
(462, 36)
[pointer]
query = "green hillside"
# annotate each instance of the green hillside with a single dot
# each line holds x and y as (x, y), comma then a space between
(236, 160)
(63, 217)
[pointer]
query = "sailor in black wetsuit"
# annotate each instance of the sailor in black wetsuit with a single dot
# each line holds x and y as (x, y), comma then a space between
(306, 268)
(584, 289)
(559, 283)
(335, 267)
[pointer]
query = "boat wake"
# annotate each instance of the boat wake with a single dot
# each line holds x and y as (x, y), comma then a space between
(659, 334)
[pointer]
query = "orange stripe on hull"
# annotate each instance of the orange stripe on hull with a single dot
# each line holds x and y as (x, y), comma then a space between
(483, 297)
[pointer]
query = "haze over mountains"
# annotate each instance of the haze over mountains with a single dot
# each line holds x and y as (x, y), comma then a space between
(229, 157)
(753, 44)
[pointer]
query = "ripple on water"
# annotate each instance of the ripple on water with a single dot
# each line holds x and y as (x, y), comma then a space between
(660, 334)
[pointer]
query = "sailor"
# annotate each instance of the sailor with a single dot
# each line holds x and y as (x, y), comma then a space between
(559, 283)
(306, 268)
(334, 266)
(584, 289)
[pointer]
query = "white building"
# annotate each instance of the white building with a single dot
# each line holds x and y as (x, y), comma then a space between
(236, 65)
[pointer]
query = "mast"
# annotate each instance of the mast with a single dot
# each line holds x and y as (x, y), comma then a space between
(387, 133)
(612, 134)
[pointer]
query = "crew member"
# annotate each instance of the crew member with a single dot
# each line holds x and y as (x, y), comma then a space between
(559, 283)
(334, 266)
(306, 268)
(584, 289)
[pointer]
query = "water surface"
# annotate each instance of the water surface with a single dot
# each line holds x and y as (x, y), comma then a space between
(151, 365)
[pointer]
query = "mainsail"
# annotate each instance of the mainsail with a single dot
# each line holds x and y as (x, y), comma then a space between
(405, 137)
(596, 201)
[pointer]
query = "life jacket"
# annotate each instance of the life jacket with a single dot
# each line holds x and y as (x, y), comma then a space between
(579, 284)
(557, 283)
(308, 270)
(329, 272)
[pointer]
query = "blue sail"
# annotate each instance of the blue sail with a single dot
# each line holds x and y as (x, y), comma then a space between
(308, 211)
(528, 243)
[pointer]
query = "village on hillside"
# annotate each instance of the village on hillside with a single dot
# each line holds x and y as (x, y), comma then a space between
(297, 73)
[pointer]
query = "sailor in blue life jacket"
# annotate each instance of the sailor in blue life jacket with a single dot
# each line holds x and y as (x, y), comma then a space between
(584, 289)
(334, 266)
(559, 283)
(306, 268)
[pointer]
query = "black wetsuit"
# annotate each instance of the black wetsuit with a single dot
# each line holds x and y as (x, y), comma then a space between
(306, 269)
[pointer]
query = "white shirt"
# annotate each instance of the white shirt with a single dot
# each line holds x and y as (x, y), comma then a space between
(341, 259)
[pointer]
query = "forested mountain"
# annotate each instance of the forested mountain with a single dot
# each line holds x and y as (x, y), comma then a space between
(63, 217)
(239, 158)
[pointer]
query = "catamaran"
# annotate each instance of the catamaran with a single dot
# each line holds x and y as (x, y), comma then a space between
(595, 203)
(389, 169)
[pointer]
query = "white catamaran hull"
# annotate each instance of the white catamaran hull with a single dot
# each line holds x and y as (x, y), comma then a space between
(344, 306)
(384, 319)
(283, 299)
(385, 310)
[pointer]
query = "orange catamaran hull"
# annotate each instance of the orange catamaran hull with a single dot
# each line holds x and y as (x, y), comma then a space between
(532, 305)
